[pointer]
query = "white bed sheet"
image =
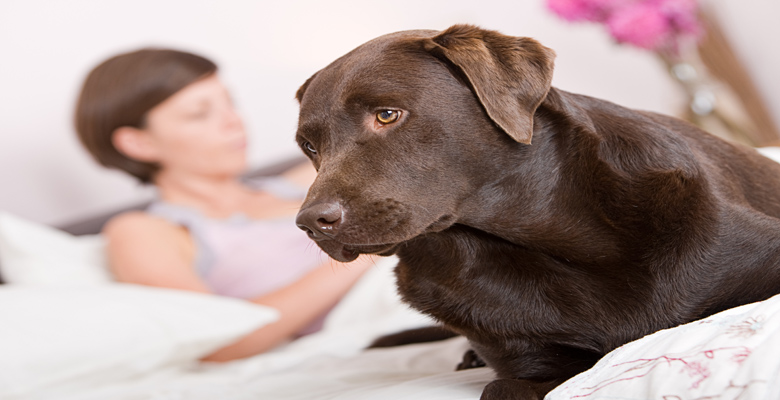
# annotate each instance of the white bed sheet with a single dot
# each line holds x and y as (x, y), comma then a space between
(729, 356)
(331, 364)
(423, 372)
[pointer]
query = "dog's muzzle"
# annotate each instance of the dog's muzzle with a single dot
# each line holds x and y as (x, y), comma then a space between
(322, 221)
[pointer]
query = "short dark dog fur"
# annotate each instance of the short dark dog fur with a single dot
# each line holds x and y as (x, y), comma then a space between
(612, 224)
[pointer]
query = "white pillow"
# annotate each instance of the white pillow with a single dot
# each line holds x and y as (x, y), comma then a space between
(37, 254)
(64, 339)
(731, 355)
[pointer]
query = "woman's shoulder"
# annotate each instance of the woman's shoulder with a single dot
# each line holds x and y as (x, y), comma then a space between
(135, 224)
(148, 250)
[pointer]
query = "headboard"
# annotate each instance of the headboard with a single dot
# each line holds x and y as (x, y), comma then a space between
(94, 225)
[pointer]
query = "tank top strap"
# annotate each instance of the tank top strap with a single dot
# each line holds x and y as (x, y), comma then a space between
(195, 222)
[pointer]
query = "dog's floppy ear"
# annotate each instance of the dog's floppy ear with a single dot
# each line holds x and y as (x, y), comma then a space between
(510, 75)
(302, 89)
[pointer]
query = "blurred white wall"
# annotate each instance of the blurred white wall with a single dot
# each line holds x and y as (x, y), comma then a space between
(265, 50)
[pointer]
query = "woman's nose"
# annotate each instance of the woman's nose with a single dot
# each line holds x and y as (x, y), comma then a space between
(231, 118)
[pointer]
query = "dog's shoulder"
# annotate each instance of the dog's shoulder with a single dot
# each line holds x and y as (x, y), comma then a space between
(615, 145)
(628, 163)
(640, 142)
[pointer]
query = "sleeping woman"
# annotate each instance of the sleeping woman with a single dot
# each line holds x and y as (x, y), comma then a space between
(164, 117)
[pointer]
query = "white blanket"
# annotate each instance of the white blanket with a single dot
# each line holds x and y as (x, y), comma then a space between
(732, 355)
(331, 364)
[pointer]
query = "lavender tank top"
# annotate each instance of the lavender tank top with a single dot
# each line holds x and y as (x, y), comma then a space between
(246, 258)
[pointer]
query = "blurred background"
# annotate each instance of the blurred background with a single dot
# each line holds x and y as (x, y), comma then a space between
(265, 51)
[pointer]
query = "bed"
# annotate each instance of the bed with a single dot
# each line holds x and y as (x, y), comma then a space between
(70, 333)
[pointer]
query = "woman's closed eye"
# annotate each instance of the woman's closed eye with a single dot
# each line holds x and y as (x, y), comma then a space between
(200, 114)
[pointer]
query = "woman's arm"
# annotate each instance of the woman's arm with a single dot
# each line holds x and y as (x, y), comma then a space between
(151, 251)
(299, 304)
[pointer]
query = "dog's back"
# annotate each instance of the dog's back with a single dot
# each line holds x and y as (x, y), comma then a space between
(682, 201)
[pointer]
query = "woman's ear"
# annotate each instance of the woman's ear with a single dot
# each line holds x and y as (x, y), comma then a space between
(135, 143)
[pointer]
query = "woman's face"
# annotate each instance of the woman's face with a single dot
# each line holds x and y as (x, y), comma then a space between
(197, 131)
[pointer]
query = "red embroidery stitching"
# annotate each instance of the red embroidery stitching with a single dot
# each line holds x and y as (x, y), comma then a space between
(694, 368)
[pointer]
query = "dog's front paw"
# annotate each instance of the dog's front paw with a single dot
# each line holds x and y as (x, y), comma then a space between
(470, 360)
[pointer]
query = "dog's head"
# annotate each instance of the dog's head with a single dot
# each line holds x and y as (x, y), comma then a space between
(400, 130)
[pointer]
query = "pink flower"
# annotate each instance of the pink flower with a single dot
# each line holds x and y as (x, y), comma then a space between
(682, 15)
(581, 10)
(643, 25)
(650, 24)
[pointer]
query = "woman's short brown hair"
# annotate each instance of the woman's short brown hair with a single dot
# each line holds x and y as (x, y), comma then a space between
(121, 91)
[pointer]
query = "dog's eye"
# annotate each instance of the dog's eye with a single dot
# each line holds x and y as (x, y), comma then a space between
(308, 147)
(387, 116)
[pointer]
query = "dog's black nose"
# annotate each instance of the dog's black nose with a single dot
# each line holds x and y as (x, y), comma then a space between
(320, 220)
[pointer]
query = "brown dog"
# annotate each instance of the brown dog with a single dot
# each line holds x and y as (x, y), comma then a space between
(613, 224)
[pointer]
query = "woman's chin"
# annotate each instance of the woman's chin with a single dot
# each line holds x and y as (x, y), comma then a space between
(237, 165)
